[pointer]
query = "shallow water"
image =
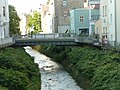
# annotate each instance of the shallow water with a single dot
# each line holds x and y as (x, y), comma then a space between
(53, 76)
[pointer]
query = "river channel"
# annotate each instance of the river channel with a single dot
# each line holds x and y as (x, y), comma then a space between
(53, 76)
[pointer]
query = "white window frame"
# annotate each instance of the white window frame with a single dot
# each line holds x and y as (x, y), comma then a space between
(81, 18)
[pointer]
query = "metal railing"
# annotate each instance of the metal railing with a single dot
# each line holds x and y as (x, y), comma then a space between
(46, 36)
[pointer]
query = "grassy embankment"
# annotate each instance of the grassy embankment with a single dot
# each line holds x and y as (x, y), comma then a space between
(18, 70)
(92, 68)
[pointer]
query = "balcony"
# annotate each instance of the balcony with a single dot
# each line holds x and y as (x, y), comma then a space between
(94, 2)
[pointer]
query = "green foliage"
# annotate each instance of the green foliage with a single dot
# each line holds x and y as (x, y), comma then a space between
(18, 71)
(101, 67)
(56, 52)
(13, 80)
(107, 77)
(3, 88)
(34, 22)
(14, 21)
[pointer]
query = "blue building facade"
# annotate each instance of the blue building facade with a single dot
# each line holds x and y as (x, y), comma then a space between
(79, 20)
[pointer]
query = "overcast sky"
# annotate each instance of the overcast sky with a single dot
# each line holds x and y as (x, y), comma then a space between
(26, 5)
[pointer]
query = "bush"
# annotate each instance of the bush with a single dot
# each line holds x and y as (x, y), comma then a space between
(99, 66)
(13, 80)
(18, 70)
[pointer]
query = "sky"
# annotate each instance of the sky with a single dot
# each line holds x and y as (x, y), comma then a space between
(24, 6)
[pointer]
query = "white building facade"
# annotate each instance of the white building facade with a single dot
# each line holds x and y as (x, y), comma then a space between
(117, 22)
(23, 23)
(47, 14)
(110, 21)
(4, 19)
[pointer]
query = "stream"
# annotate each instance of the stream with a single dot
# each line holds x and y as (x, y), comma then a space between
(53, 76)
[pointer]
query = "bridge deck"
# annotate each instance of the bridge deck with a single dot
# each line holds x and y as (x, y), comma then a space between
(38, 41)
(52, 39)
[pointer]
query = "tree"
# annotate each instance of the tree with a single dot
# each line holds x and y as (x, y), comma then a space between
(34, 22)
(14, 21)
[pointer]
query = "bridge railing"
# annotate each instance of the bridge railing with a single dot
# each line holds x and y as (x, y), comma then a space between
(46, 36)
(69, 35)
(53, 35)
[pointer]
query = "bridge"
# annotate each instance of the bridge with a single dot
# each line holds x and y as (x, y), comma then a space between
(51, 39)
(46, 39)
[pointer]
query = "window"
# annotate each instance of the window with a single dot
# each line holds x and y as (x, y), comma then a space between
(3, 11)
(81, 18)
(64, 3)
(106, 30)
(111, 1)
(65, 13)
(97, 30)
(111, 19)
(103, 30)
(4, 32)
(85, 0)
(51, 3)
(105, 10)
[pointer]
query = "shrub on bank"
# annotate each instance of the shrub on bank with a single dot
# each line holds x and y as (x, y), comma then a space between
(18, 70)
(3, 88)
(99, 66)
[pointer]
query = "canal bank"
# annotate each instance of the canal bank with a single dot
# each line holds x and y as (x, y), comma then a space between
(99, 68)
(18, 70)
(53, 76)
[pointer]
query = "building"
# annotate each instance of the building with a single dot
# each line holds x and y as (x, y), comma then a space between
(117, 21)
(4, 19)
(93, 4)
(23, 23)
(110, 20)
(98, 30)
(107, 9)
(44, 18)
(59, 14)
(106, 28)
(79, 22)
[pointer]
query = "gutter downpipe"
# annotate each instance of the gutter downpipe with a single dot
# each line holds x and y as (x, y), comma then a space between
(90, 27)
(115, 26)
